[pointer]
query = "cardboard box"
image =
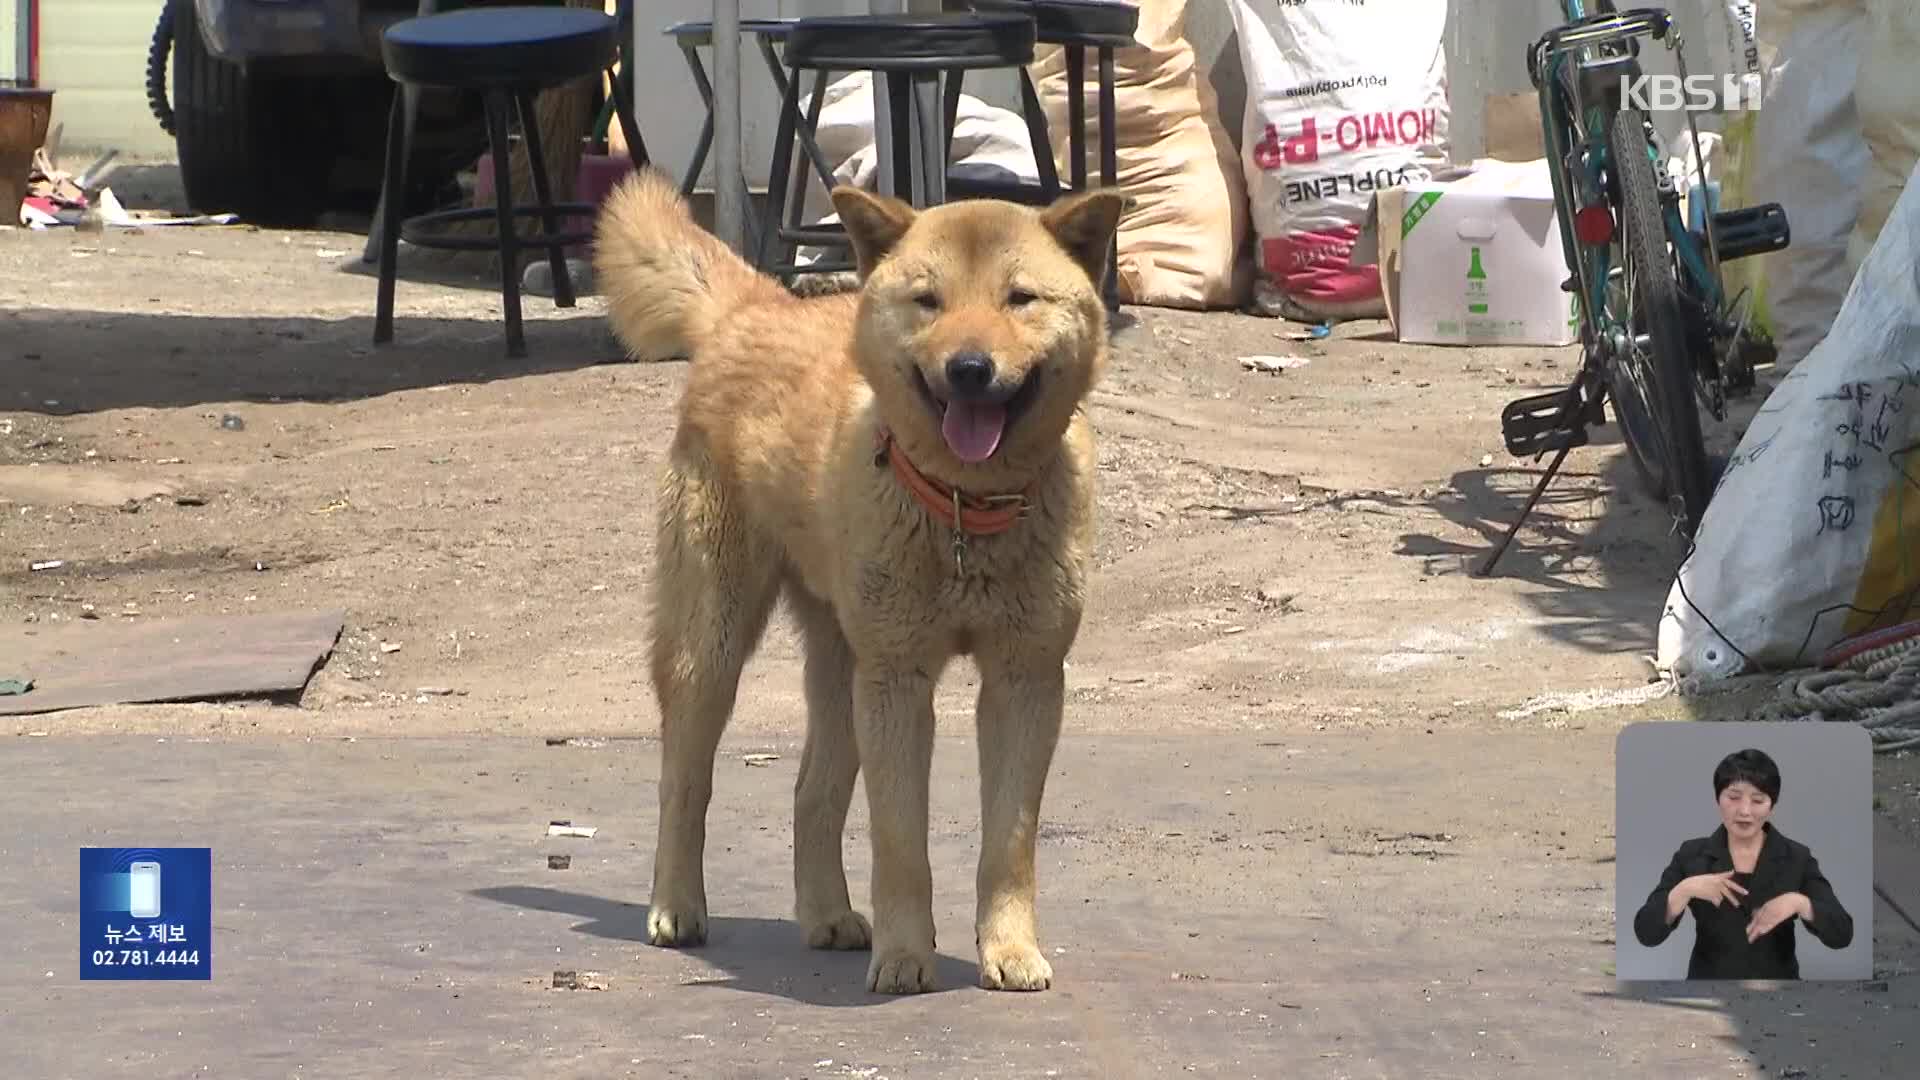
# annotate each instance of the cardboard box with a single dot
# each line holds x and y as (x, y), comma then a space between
(1474, 260)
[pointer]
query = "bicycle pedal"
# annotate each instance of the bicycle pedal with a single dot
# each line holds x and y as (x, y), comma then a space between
(1540, 424)
(1759, 353)
(1751, 230)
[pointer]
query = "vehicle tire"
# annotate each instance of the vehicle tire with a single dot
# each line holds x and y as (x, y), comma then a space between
(240, 138)
(1652, 388)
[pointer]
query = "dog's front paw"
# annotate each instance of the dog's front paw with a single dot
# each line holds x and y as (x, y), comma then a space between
(900, 971)
(1014, 966)
(676, 927)
(848, 930)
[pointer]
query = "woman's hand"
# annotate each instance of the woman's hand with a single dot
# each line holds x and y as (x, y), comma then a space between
(1715, 889)
(1771, 914)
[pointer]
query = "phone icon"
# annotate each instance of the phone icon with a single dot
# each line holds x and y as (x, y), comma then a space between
(143, 897)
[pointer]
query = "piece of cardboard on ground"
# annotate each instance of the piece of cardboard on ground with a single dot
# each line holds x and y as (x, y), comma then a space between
(123, 662)
(70, 485)
(1437, 291)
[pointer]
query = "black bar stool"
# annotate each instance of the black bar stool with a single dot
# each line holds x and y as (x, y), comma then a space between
(636, 150)
(768, 35)
(507, 55)
(1076, 26)
(911, 53)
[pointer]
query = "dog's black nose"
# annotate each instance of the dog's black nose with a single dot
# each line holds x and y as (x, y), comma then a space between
(970, 373)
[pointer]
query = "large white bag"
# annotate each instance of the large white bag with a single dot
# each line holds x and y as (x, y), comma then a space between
(1808, 156)
(1814, 532)
(1179, 240)
(1888, 99)
(1733, 44)
(1343, 99)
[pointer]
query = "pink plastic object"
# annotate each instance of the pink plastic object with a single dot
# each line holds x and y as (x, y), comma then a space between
(596, 178)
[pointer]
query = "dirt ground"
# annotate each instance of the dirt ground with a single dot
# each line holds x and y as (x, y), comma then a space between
(195, 422)
(1291, 549)
(1278, 551)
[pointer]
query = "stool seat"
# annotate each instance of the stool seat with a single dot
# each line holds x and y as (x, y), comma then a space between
(700, 31)
(1092, 23)
(910, 42)
(475, 48)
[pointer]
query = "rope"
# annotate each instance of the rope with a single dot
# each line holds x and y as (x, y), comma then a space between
(1876, 687)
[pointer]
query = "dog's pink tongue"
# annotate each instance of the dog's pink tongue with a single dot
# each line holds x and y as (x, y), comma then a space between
(972, 430)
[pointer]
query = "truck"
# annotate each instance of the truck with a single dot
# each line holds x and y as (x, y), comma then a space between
(279, 109)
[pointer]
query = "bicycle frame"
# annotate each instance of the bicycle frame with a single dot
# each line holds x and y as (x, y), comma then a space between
(1579, 71)
(1575, 117)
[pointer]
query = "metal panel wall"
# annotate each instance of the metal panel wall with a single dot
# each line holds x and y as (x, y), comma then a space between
(93, 53)
(669, 108)
(13, 39)
(1486, 50)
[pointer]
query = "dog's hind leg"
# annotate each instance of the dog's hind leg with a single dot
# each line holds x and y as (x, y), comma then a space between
(824, 791)
(714, 585)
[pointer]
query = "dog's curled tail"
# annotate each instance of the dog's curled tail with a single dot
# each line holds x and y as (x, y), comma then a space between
(667, 281)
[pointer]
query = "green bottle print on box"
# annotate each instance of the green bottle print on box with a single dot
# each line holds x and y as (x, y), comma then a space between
(1476, 286)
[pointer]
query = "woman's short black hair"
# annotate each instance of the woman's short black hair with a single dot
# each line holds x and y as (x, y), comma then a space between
(1751, 765)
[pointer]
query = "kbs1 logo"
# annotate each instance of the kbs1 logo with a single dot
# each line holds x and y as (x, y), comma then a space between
(1694, 93)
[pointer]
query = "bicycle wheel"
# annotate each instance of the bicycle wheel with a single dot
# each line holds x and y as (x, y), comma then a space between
(1651, 382)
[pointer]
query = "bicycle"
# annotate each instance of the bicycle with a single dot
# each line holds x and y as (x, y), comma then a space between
(1658, 332)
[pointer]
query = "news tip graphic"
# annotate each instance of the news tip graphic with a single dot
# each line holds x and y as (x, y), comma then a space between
(146, 913)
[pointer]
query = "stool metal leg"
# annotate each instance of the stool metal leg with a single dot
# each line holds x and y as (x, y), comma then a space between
(897, 172)
(1042, 140)
(387, 216)
(773, 249)
(1109, 169)
(950, 107)
(797, 175)
(543, 190)
(1077, 115)
(777, 68)
(930, 137)
(704, 143)
(509, 240)
(406, 102)
(629, 126)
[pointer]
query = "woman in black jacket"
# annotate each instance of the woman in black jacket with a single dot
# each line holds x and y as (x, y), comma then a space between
(1746, 885)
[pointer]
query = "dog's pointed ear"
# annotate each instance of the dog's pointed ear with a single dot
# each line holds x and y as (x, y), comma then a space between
(1084, 223)
(874, 224)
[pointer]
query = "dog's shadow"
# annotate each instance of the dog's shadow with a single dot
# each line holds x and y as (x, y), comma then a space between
(759, 956)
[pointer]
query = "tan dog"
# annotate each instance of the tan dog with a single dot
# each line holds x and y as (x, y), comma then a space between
(820, 447)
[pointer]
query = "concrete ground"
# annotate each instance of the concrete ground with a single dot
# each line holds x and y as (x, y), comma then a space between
(1329, 806)
(1318, 905)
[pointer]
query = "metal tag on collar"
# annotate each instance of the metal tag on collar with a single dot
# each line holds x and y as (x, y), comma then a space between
(959, 538)
(1018, 500)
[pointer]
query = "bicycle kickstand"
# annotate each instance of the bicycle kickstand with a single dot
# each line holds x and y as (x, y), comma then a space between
(1486, 566)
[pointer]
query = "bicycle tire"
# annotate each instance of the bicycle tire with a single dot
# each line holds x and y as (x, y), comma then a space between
(1663, 378)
